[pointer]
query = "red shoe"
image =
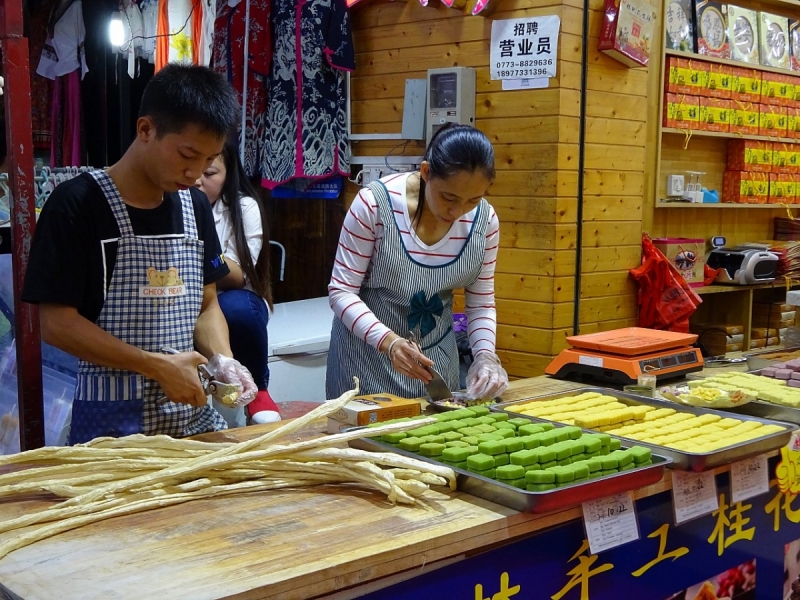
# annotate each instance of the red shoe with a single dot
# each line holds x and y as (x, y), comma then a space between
(263, 409)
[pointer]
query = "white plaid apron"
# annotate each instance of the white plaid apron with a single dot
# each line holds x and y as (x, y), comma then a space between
(153, 302)
(406, 296)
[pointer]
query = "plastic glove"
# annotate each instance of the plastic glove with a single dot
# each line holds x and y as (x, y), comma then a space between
(486, 378)
(230, 370)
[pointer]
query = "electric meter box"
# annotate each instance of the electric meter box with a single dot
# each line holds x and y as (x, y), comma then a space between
(451, 98)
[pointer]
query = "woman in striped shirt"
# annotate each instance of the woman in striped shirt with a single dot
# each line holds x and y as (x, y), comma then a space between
(407, 242)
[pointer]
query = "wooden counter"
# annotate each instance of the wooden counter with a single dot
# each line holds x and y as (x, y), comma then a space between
(285, 544)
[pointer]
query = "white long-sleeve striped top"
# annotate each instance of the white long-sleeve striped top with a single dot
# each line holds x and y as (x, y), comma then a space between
(360, 240)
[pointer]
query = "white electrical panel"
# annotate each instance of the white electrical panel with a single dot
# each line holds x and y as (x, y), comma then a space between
(451, 98)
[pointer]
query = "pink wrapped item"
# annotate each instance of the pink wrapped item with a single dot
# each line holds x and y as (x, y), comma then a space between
(795, 375)
(768, 371)
(793, 383)
(793, 364)
(783, 373)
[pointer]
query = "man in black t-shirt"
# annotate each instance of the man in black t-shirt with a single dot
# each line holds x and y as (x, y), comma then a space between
(123, 265)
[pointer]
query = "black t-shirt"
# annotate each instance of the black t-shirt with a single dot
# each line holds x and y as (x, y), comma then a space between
(74, 248)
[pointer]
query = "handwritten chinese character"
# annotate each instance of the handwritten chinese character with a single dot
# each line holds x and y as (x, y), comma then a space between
(774, 506)
(519, 29)
(506, 48)
(544, 46)
(582, 572)
(533, 27)
(505, 592)
(735, 524)
(661, 533)
(525, 47)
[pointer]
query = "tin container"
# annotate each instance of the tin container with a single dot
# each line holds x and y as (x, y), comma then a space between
(688, 461)
(560, 498)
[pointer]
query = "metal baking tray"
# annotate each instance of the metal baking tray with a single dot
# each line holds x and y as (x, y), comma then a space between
(766, 410)
(687, 461)
(767, 357)
(559, 498)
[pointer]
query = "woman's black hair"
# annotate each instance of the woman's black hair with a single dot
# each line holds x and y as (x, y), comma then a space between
(181, 95)
(236, 186)
(455, 149)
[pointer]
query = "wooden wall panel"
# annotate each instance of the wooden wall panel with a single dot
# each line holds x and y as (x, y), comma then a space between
(535, 133)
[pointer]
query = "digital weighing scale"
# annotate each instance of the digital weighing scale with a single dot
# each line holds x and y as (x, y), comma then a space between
(621, 355)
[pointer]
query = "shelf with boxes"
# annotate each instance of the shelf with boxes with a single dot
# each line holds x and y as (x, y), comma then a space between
(744, 318)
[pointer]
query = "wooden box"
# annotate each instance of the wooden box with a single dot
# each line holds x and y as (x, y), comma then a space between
(744, 117)
(711, 20)
(627, 31)
(743, 34)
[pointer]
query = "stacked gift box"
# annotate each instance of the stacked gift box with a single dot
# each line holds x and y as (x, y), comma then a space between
(704, 96)
(761, 172)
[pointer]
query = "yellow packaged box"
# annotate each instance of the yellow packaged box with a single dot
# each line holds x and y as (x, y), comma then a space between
(781, 188)
(772, 120)
(681, 111)
(784, 157)
(363, 410)
(744, 118)
(777, 89)
(746, 84)
(715, 114)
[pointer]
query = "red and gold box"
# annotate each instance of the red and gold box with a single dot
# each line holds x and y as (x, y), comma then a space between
(784, 157)
(793, 123)
(781, 188)
(744, 117)
(749, 155)
(772, 120)
(745, 84)
(715, 114)
(681, 111)
(719, 81)
(777, 89)
(795, 81)
(685, 76)
(745, 187)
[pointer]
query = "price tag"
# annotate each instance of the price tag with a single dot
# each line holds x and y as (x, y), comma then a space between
(788, 470)
(749, 478)
(693, 495)
(610, 522)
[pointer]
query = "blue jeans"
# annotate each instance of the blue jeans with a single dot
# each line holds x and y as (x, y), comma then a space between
(247, 317)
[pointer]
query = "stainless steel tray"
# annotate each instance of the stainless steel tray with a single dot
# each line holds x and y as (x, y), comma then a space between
(560, 498)
(688, 461)
(767, 410)
(761, 358)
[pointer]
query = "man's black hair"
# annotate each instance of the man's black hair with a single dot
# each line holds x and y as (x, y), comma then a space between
(181, 95)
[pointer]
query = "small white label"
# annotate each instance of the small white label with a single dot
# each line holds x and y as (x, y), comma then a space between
(161, 291)
(592, 361)
(525, 84)
(749, 478)
(610, 522)
(693, 495)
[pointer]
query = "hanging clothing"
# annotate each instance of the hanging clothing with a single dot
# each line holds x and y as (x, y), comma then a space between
(41, 87)
(305, 127)
(134, 33)
(228, 60)
(111, 402)
(405, 295)
(182, 32)
(66, 142)
(63, 50)
(149, 10)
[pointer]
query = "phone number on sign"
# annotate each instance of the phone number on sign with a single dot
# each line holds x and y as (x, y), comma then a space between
(522, 72)
(518, 64)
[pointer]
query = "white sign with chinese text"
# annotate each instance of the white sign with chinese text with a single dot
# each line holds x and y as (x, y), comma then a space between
(693, 495)
(610, 522)
(524, 48)
(749, 478)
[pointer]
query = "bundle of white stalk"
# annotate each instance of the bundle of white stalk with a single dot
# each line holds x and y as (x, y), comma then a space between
(109, 477)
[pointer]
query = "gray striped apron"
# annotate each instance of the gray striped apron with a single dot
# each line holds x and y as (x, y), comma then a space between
(152, 302)
(406, 296)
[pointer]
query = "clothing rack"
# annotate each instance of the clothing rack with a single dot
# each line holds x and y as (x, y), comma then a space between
(45, 180)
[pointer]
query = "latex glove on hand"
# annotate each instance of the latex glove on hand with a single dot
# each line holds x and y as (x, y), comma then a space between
(486, 377)
(408, 359)
(229, 370)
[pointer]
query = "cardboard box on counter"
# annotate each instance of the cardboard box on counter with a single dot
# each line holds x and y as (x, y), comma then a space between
(761, 333)
(376, 408)
(687, 255)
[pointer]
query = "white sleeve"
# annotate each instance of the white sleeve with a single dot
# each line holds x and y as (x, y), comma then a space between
(353, 256)
(253, 231)
(479, 297)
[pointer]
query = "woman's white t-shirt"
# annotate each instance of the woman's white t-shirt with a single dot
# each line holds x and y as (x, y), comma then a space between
(254, 233)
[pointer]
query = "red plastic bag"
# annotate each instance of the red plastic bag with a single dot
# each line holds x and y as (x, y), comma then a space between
(665, 299)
